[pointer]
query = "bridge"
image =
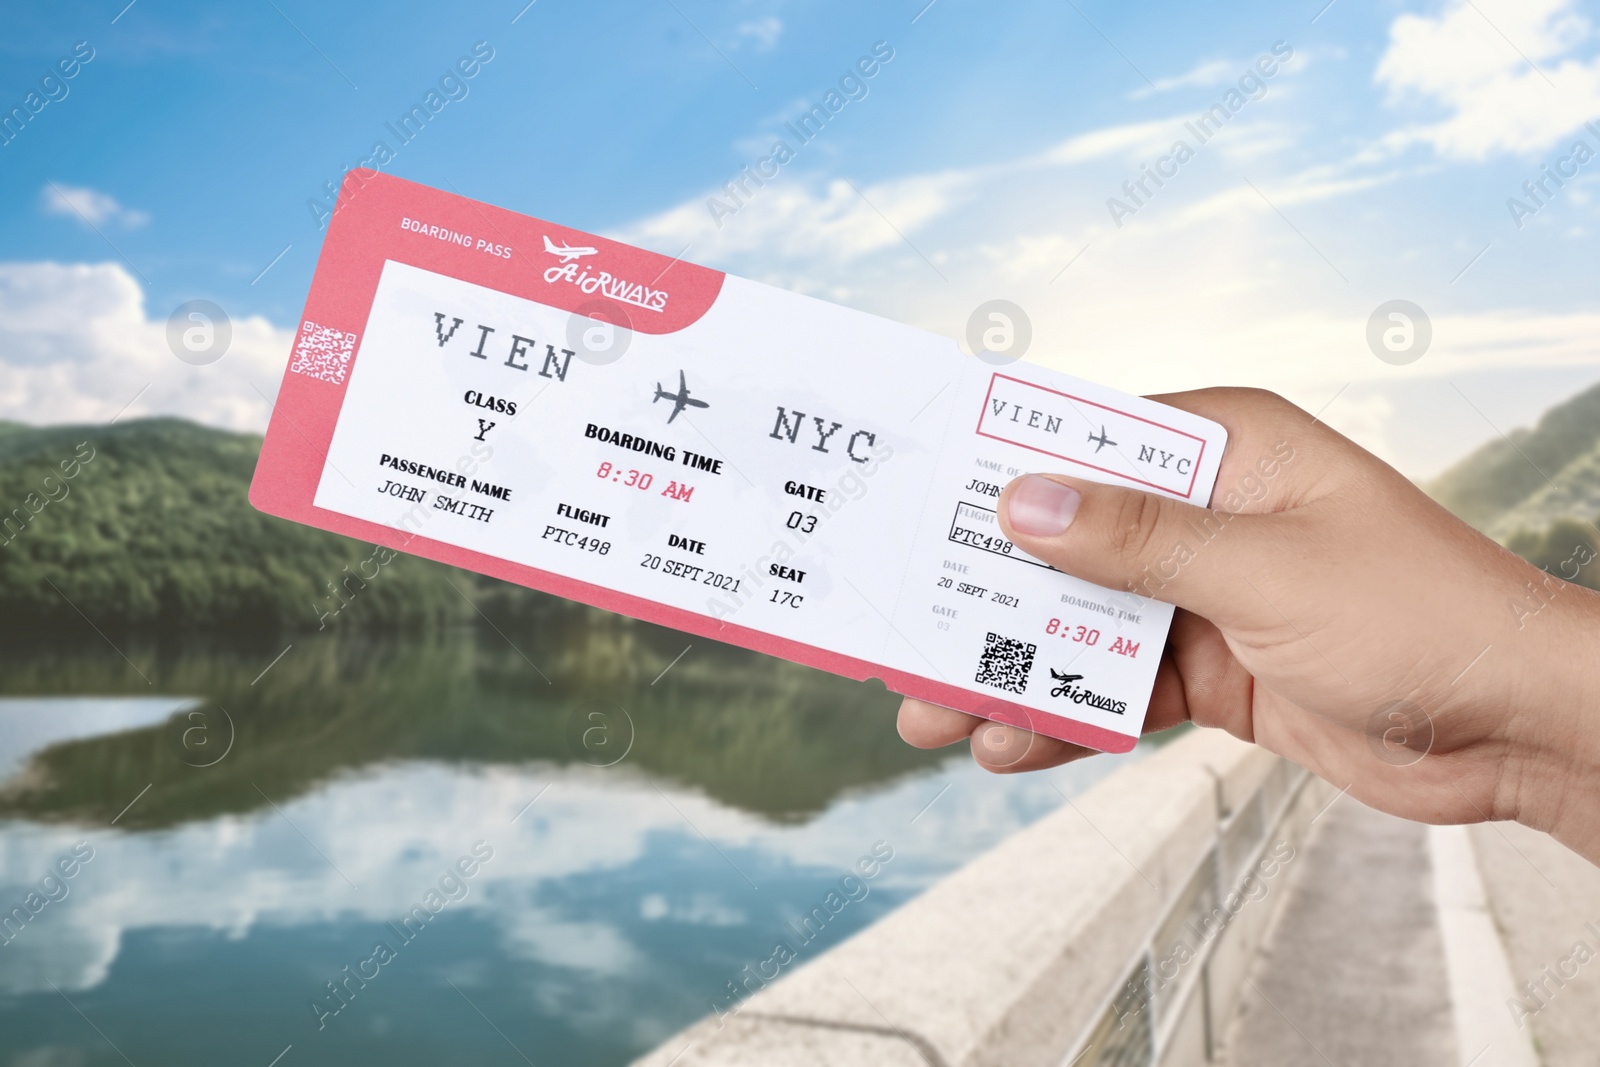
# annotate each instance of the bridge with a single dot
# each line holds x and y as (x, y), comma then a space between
(1209, 905)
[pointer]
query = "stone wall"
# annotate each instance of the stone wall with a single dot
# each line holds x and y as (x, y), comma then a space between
(1116, 931)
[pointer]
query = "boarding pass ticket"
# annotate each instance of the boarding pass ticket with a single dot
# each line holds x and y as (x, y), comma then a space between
(733, 460)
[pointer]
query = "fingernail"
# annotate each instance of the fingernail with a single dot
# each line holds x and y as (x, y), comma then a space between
(1042, 508)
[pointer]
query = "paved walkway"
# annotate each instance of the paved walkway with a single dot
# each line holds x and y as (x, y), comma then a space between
(1546, 902)
(1354, 972)
(1379, 958)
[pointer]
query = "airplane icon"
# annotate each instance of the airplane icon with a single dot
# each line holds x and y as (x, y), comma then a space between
(568, 253)
(680, 399)
(1102, 440)
(1063, 686)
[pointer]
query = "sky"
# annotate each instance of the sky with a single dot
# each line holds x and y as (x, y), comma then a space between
(1383, 158)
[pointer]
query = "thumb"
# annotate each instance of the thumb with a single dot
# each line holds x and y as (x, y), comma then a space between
(1140, 543)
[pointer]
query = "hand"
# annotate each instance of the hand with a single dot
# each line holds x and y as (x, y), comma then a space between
(1334, 614)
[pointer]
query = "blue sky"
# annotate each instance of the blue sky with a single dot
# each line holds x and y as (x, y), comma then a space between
(1376, 164)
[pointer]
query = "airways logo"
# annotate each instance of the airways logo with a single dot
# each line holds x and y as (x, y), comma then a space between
(1078, 694)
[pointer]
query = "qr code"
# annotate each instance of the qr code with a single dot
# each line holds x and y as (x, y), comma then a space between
(1005, 663)
(322, 352)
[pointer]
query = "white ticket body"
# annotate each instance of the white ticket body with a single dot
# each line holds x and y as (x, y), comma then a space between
(715, 455)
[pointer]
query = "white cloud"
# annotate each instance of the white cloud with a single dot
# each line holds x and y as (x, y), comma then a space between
(701, 909)
(77, 344)
(833, 222)
(1133, 139)
(1505, 72)
(1319, 183)
(1209, 284)
(1215, 72)
(89, 205)
(763, 33)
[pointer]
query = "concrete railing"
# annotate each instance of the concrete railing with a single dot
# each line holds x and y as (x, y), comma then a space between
(1117, 930)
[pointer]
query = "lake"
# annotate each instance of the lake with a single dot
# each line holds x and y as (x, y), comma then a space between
(568, 840)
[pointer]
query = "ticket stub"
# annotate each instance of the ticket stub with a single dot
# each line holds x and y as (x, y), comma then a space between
(729, 459)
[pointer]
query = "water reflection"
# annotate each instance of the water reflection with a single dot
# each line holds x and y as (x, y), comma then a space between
(607, 905)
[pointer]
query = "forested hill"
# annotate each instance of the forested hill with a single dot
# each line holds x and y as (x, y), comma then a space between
(1532, 477)
(1537, 490)
(147, 525)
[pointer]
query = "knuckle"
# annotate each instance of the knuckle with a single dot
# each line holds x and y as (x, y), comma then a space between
(1244, 396)
(1264, 397)
(1261, 411)
(1135, 525)
(1259, 403)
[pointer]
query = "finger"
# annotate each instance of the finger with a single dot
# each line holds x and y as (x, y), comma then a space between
(1217, 690)
(925, 725)
(1169, 704)
(1148, 545)
(996, 747)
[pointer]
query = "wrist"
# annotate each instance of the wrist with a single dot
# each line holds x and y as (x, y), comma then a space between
(1550, 774)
